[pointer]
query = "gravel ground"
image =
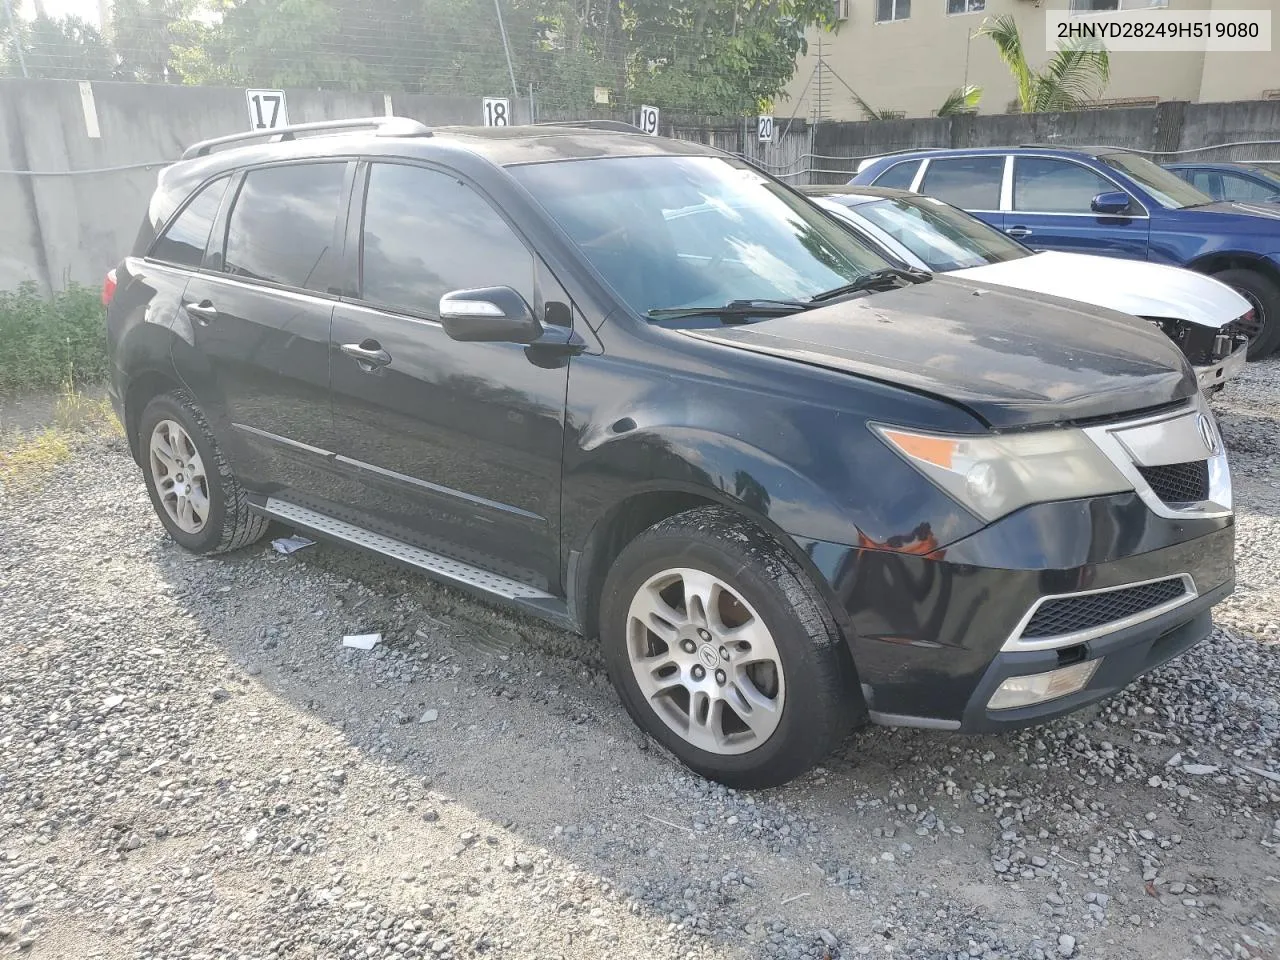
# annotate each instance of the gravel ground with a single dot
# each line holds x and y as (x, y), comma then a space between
(192, 766)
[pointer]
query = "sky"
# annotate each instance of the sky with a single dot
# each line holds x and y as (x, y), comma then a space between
(84, 9)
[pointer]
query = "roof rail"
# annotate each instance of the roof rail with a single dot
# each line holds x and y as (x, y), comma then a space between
(384, 126)
(620, 126)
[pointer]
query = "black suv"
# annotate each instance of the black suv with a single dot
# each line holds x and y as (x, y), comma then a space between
(636, 387)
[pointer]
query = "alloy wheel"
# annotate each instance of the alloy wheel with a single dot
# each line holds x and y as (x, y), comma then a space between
(705, 661)
(179, 475)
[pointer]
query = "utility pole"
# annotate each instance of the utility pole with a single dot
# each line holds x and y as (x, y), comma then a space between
(515, 92)
(17, 36)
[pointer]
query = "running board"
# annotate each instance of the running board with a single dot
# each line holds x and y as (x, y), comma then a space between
(442, 567)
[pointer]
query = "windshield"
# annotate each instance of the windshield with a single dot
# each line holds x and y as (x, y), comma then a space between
(1168, 189)
(942, 236)
(669, 232)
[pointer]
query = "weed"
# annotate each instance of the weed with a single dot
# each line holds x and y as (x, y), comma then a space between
(44, 341)
(34, 456)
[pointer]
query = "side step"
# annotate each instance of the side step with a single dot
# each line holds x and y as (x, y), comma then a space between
(445, 568)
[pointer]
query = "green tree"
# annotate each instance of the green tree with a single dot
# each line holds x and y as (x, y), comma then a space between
(65, 48)
(1075, 75)
(147, 34)
(961, 100)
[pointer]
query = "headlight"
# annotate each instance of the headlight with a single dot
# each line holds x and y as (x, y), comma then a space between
(994, 475)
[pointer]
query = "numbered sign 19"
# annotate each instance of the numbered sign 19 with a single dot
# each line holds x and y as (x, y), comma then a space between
(649, 120)
(764, 127)
(497, 112)
(267, 109)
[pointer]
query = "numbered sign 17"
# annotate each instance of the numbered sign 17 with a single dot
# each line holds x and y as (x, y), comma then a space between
(267, 109)
(764, 127)
(649, 120)
(497, 112)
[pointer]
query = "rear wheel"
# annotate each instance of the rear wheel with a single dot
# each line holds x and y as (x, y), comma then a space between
(194, 492)
(723, 651)
(1264, 296)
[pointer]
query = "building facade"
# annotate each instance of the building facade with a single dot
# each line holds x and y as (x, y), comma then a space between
(906, 56)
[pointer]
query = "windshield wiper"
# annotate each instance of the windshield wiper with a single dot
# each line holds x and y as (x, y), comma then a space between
(889, 276)
(733, 310)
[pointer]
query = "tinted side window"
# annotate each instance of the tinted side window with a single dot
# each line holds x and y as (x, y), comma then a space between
(426, 234)
(281, 228)
(1041, 185)
(185, 240)
(970, 183)
(1236, 187)
(899, 175)
(1202, 180)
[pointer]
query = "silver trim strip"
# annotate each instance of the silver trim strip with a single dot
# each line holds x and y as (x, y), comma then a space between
(1228, 368)
(1017, 642)
(439, 488)
(438, 565)
(902, 720)
(284, 441)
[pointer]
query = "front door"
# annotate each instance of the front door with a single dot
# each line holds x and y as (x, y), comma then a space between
(1052, 210)
(455, 446)
(260, 321)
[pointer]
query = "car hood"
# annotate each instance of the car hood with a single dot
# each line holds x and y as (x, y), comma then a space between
(1013, 359)
(1130, 286)
(1252, 217)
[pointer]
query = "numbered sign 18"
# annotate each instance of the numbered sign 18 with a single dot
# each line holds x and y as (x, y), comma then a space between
(649, 120)
(267, 109)
(764, 126)
(497, 112)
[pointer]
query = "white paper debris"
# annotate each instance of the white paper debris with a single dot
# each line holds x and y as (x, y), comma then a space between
(362, 641)
(112, 702)
(430, 716)
(288, 545)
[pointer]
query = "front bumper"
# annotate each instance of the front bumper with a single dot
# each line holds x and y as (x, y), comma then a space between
(1213, 375)
(1122, 657)
(927, 632)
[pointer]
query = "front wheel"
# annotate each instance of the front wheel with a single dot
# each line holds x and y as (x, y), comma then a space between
(721, 648)
(1264, 296)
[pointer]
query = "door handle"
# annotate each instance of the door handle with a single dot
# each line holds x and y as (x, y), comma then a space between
(368, 354)
(1019, 232)
(204, 311)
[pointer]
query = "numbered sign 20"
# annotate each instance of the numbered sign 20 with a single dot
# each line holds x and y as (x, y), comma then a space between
(764, 127)
(649, 120)
(267, 109)
(497, 112)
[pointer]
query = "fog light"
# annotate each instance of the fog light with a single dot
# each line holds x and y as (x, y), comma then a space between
(1038, 687)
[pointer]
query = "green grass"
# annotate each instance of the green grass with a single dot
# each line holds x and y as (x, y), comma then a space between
(28, 458)
(46, 342)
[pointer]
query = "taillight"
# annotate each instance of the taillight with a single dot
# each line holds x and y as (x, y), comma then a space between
(108, 288)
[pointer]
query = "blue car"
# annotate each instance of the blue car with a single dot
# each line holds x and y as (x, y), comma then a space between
(1249, 182)
(1108, 203)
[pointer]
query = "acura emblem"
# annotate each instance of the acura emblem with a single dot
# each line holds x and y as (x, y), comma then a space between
(1208, 435)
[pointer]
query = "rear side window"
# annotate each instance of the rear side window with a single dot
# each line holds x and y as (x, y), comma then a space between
(282, 225)
(185, 240)
(426, 234)
(1043, 185)
(1236, 187)
(970, 183)
(900, 175)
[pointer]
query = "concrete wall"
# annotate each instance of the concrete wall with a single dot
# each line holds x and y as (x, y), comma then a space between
(60, 223)
(913, 64)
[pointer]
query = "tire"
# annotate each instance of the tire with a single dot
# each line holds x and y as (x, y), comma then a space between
(173, 422)
(1264, 295)
(800, 708)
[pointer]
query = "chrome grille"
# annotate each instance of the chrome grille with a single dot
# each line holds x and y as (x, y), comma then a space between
(1179, 482)
(1064, 615)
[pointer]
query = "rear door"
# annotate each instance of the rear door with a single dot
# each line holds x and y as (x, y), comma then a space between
(453, 446)
(1051, 209)
(970, 183)
(260, 315)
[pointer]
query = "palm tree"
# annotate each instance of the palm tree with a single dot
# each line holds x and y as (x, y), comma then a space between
(1076, 74)
(961, 100)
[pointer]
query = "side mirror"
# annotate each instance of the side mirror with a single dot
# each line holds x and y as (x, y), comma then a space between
(496, 314)
(1112, 204)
